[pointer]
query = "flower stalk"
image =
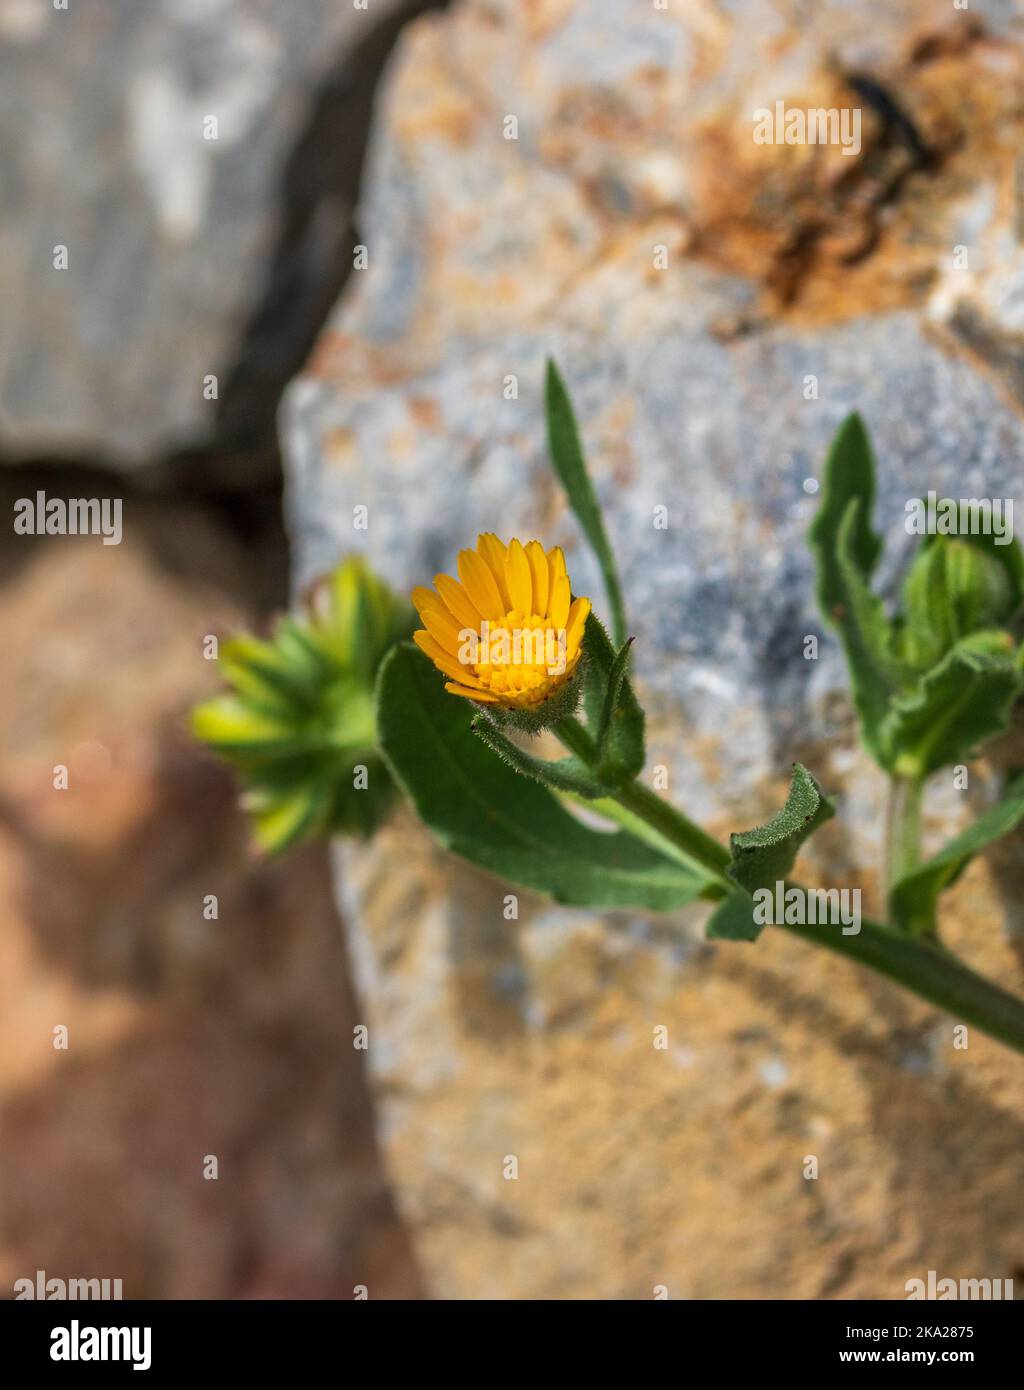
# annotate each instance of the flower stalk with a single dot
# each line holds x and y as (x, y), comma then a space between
(922, 966)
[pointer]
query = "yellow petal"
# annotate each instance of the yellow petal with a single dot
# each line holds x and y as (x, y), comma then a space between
(443, 628)
(427, 601)
(519, 579)
(444, 661)
(556, 570)
(575, 622)
(457, 601)
(558, 609)
(424, 598)
(492, 552)
(484, 697)
(539, 575)
(480, 585)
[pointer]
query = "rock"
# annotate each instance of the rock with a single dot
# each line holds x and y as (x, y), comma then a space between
(187, 1036)
(175, 241)
(799, 283)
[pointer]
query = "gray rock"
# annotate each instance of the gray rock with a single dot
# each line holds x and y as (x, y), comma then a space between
(695, 388)
(171, 237)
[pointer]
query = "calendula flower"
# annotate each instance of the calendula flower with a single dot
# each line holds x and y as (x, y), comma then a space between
(508, 636)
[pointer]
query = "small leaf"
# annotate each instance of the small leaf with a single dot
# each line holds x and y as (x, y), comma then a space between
(612, 698)
(567, 457)
(1009, 555)
(620, 724)
(762, 856)
(849, 476)
(866, 634)
(281, 821)
(562, 774)
(914, 899)
(231, 726)
(959, 704)
(733, 920)
(478, 807)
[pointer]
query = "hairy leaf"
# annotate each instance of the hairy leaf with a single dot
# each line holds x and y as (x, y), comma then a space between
(615, 720)
(733, 920)
(956, 706)
(849, 476)
(478, 807)
(570, 465)
(562, 774)
(766, 854)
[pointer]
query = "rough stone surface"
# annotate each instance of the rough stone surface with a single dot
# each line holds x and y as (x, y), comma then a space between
(169, 235)
(684, 1167)
(186, 1036)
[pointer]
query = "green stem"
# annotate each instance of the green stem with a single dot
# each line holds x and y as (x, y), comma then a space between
(922, 966)
(930, 971)
(678, 829)
(903, 829)
(661, 816)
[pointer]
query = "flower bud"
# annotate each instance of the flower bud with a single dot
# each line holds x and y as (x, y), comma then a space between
(953, 588)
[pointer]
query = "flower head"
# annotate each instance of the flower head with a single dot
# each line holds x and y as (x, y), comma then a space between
(300, 724)
(508, 636)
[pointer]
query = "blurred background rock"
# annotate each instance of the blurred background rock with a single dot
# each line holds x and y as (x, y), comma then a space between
(638, 1167)
(187, 258)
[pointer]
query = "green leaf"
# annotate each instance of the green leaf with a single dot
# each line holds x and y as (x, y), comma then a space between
(233, 727)
(562, 774)
(302, 713)
(957, 585)
(612, 700)
(281, 821)
(865, 632)
(914, 898)
(959, 704)
(611, 810)
(1008, 554)
(766, 854)
(846, 551)
(260, 670)
(615, 720)
(478, 807)
(849, 476)
(567, 457)
(733, 920)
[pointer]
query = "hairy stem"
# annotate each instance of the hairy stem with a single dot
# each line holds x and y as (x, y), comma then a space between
(660, 815)
(903, 829)
(678, 829)
(923, 967)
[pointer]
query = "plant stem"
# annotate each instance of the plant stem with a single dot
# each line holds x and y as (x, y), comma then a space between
(903, 829)
(678, 829)
(930, 971)
(659, 814)
(923, 967)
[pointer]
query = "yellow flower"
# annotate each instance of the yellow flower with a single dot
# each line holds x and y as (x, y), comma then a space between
(507, 636)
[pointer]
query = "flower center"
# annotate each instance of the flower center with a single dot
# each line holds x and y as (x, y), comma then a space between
(521, 656)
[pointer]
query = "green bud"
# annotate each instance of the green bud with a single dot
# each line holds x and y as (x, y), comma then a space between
(300, 723)
(953, 588)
